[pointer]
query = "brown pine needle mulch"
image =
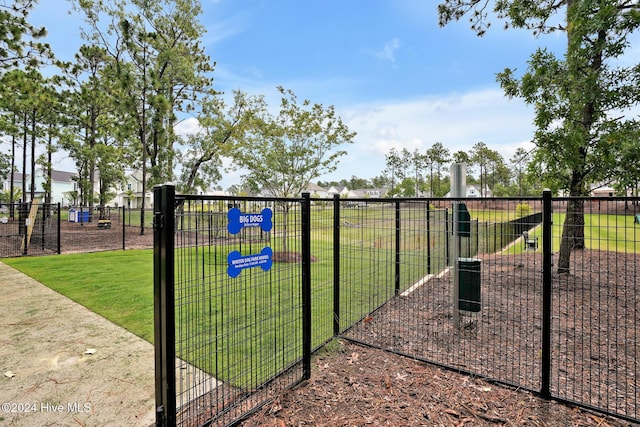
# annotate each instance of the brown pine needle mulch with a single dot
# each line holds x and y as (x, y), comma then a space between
(359, 386)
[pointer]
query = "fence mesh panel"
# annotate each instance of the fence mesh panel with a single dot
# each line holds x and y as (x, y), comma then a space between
(497, 336)
(238, 323)
(480, 288)
(596, 304)
(323, 263)
(29, 229)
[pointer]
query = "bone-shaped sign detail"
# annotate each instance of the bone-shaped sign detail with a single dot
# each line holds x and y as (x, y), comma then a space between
(239, 220)
(236, 262)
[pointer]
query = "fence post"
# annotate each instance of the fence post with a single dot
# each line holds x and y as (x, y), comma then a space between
(306, 285)
(59, 229)
(397, 273)
(336, 264)
(547, 265)
(164, 304)
(124, 230)
(428, 239)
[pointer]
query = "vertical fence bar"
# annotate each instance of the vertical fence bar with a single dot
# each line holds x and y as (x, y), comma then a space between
(59, 248)
(547, 253)
(164, 304)
(22, 227)
(336, 264)
(124, 230)
(397, 263)
(446, 239)
(306, 285)
(428, 239)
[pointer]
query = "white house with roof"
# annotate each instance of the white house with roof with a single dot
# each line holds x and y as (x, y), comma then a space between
(130, 195)
(64, 186)
(316, 191)
(341, 190)
(365, 193)
(474, 191)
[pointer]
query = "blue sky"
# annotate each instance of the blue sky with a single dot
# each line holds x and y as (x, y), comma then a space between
(394, 76)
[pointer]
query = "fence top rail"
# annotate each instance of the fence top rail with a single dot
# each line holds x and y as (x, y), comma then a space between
(404, 199)
(426, 199)
(598, 198)
(477, 199)
(180, 197)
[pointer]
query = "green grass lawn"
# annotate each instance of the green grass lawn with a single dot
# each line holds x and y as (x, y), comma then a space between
(605, 232)
(116, 285)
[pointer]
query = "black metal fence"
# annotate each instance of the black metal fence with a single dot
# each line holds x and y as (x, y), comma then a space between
(413, 276)
(58, 230)
(502, 311)
(232, 302)
(29, 229)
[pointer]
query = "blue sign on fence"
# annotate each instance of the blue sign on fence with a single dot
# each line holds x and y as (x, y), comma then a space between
(239, 220)
(236, 262)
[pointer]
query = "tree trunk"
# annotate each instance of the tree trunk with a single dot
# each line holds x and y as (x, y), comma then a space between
(13, 168)
(48, 195)
(572, 233)
(144, 191)
(25, 143)
(573, 229)
(33, 156)
(93, 116)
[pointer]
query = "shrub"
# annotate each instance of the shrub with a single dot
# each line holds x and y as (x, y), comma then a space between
(523, 209)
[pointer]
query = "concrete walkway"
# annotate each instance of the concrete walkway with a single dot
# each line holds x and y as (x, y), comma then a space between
(63, 365)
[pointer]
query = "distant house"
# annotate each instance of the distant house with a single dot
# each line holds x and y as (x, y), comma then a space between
(64, 186)
(474, 191)
(341, 190)
(367, 193)
(130, 193)
(316, 191)
(602, 190)
(313, 189)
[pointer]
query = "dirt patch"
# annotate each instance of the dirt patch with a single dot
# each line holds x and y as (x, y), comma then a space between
(77, 237)
(63, 365)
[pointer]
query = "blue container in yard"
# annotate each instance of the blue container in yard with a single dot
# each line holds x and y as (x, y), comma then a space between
(78, 216)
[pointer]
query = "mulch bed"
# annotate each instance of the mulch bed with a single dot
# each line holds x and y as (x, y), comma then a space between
(358, 386)
(596, 313)
(87, 237)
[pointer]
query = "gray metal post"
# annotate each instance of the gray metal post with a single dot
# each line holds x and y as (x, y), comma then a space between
(458, 190)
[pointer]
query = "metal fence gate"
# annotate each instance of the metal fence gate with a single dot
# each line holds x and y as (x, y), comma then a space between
(232, 304)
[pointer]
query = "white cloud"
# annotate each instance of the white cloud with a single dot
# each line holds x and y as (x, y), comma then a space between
(388, 52)
(218, 31)
(458, 121)
(188, 126)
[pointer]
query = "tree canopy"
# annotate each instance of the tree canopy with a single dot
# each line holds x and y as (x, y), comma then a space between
(283, 153)
(19, 40)
(581, 99)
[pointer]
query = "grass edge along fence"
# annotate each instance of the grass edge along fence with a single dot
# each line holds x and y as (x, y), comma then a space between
(387, 263)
